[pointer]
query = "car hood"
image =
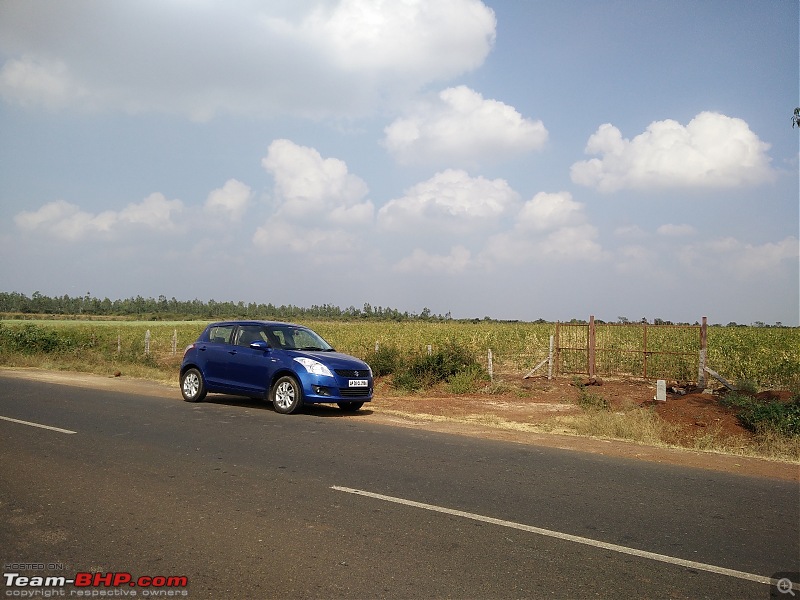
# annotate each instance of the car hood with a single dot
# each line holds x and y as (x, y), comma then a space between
(336, 360)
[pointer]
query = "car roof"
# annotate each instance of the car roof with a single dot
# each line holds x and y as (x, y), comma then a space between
(254, 322)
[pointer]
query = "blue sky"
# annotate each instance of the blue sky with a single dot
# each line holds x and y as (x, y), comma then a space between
(518, 160)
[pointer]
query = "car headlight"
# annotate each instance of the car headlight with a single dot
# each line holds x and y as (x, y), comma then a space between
(314, 366)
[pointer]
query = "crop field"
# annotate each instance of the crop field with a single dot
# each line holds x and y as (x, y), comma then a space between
(763, 356)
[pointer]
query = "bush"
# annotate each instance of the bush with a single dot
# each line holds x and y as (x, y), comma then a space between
(33, 339)
(450, 363)
(778, 417)
(406, 381)
(465, 381)
(384, 361)
(589, 400)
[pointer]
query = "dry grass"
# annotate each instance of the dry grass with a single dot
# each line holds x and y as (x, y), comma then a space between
(640, 425)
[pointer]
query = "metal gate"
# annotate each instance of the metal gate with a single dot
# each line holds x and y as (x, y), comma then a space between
(634, 350)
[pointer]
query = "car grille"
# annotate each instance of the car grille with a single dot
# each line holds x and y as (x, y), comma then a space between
(353, 392)
(363, 374)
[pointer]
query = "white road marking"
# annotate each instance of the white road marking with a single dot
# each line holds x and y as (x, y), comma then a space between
(573, 538)
(58, 429)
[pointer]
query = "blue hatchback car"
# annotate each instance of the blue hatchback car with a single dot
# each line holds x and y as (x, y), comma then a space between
(286, 364)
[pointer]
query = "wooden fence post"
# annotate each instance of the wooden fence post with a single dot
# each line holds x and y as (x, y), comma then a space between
(490, 365)
(701, 371)
(147, 342)
(592, 346)
(174, 342)
(550, 360)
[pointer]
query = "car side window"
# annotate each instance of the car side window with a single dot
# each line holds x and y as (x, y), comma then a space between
(221, 334)
(247, 334)
(277, 338)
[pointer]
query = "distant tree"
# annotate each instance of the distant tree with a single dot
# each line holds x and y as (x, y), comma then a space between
(796, 118)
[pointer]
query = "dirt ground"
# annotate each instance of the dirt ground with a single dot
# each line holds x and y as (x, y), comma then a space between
(515, 409)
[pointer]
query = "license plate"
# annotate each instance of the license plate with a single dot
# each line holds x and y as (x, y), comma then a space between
(359, 383)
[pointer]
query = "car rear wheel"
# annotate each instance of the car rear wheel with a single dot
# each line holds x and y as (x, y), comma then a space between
(350, 406)
(286, 395)
(192, 386)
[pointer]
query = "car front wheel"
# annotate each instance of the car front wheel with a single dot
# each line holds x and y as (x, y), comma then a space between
(286, 395)
(192, 386)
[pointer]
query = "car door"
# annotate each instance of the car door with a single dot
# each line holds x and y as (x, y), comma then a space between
(250, 369)
(216, 354)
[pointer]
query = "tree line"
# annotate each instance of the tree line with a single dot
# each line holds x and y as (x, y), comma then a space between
(163, 308)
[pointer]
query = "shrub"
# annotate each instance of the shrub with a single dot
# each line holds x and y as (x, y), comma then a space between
(406, 381)
(736, 400)
(33, 339)
(465, 381)
(746, 386)
(384, 361)
(426, 370)
(589, 400)
(778, 417)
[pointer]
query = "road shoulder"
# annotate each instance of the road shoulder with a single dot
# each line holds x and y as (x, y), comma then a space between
(741, 465)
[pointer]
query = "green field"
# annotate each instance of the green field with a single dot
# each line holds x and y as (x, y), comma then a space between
(763, 356)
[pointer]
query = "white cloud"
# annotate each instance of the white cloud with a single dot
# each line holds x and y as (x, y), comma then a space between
(739, 260)
(630, 231)
(462, 128)
(449, 202)
(307, 57)
(319, 245)
(420, 261)
(712, 151)
(154, 212)
(550, 226)
(307, 185)
(29, 82)
(67, 221)
(417, 37)
(549, 211)
(64, 221)
(231, 200)
(672, 230)
(319, 205)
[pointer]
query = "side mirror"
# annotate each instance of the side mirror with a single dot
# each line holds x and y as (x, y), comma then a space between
(259, 345)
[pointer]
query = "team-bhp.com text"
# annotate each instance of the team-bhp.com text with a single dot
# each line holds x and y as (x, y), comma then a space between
(94, 585)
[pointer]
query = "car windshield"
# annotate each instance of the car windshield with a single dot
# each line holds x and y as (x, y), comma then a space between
(296, 338)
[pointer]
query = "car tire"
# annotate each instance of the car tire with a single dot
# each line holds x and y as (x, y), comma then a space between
(193, 388)
(286, 395)
(350, 406)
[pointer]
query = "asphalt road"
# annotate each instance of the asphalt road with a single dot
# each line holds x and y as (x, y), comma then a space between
(246, 503)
